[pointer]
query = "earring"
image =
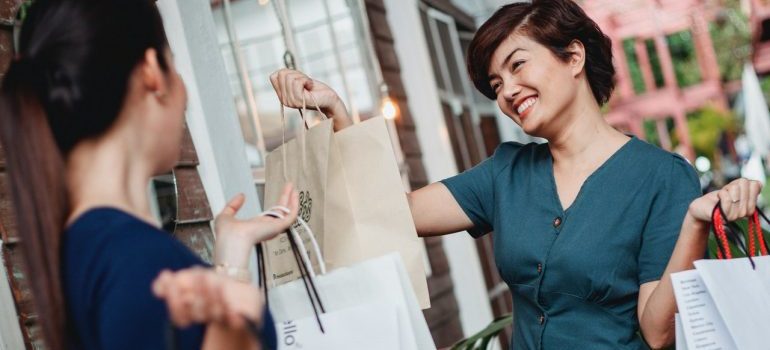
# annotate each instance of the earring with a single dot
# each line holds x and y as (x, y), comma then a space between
(159, 95)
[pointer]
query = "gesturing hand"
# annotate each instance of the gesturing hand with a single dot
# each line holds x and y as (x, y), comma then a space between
(236, 237)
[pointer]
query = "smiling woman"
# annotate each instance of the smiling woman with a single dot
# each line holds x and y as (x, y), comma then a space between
(588, 226)
(556, 35)
(556, 26)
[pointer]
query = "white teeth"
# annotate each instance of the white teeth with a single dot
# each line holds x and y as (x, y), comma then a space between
(526, 104)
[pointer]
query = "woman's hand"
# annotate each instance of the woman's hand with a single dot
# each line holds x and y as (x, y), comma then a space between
(236, 237)
(291, 86)
(738, 200)
(199, 295)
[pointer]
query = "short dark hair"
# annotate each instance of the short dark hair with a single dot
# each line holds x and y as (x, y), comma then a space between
(554, 24)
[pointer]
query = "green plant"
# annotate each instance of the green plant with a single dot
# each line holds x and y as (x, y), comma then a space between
(483, 338)
(731, 37)
(633, 66)
(23, 9)
(706, 128)
(684, 58)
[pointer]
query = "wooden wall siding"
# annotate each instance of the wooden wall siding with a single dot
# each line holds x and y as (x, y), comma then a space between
(194, 228)
(194, 215)
(443, 317)
(11, 253)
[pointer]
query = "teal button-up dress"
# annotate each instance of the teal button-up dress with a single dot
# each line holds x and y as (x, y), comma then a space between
(575, 273)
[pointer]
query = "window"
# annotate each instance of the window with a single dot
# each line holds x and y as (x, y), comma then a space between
(326, 41)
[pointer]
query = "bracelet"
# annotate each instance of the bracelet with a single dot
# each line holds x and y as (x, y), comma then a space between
(239, 274)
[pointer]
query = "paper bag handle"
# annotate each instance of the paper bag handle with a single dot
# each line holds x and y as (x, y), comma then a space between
(304, 266)
(302, 114)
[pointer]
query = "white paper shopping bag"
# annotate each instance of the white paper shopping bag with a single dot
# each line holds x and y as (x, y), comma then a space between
(701, 324)
(369, 326)
(742, 296)
(681, 344)
(383, 279)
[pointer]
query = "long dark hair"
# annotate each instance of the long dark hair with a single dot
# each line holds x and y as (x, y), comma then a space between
(67, 83)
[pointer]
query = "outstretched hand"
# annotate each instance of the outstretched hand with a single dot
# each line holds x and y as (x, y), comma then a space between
(236, 237)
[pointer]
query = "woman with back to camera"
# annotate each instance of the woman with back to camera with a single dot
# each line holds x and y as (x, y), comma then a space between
(93, 108)
(588, 226)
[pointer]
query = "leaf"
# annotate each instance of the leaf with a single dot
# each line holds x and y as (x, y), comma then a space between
(483, 338)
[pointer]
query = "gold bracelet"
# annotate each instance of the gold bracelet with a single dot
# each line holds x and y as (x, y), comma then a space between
(240, 274)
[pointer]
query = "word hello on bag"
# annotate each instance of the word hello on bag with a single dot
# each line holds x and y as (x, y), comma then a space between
(288, 329)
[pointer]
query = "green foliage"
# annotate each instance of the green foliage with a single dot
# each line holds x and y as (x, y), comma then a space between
(23, 9)
(731, 37)
(657, 70)
(706, 128)
(483, 338)
(685, 60)
(651, 132)
(633, 66)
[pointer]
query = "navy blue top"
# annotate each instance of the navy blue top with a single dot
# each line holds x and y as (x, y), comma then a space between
(109, 260)
(574, 273)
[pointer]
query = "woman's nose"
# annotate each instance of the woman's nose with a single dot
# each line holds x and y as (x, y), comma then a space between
(510, 91)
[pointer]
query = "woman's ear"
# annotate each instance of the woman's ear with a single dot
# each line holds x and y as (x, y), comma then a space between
(152, 75)
(577, 58)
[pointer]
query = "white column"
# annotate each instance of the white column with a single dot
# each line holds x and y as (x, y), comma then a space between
(211, 115)
(422, 93)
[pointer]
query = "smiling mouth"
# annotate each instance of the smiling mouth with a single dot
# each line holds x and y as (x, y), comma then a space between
(524, 107)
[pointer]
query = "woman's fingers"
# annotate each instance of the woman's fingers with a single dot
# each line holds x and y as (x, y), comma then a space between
(755, 189)
(726, 202)
(293, 208)
(744, 201)
(298, 88)
(292, 87)
(286, 195)
(739, 198)
(234, 205)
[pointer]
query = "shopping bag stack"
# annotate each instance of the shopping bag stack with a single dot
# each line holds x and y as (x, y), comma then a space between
(349, 274)
(352, 197)
(725, 303)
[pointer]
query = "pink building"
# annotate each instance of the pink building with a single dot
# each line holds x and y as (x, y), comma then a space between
(645, 25)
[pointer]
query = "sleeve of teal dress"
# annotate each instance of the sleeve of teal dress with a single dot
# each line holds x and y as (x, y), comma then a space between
(474, 189)
(680, 187)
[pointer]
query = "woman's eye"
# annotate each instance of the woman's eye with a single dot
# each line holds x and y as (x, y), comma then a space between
(516, 65)
(496, 86)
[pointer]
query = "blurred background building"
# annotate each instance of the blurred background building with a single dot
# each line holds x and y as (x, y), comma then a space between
(692, 79)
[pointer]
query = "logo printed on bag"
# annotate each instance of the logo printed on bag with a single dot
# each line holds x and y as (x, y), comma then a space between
(305, 207)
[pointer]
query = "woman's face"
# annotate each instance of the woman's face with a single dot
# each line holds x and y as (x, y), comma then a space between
(534, 87)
